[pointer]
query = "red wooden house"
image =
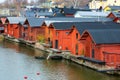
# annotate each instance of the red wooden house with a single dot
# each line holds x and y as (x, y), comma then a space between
(12, 27)
(66, 35)
(115, 16)
(59, 35)
(32, 29)
(22, 31)
(102, 45)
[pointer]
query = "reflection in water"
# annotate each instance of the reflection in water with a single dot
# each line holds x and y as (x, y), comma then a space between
(17, 61)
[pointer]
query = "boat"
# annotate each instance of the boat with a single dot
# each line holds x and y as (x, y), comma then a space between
(56, 57)
(40, 57)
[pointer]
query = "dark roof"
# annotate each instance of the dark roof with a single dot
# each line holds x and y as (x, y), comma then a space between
(39, 9)
(35, 22)
(96, 25)
(115, 7)
(56, 10)
(103, 36)
(70, 19)
(59, 15)
(81, 26)
(44, 13)
(116, 14)
(62, 25)
(29, 14)
(70, 10)
(33, 14)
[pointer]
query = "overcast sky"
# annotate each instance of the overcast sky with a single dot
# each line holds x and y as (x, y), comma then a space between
(4, 0)
(1, 1)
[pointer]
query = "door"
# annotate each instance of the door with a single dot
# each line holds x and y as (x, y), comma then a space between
(56, 44)
(76, 49)
(93, 53)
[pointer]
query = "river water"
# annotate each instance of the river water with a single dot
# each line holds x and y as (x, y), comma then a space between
(17, 62)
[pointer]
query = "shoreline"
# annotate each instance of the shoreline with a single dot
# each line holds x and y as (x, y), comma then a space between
(68, 56)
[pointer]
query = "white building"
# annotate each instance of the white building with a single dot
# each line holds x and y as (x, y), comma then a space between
(95, 4)
(90, 14)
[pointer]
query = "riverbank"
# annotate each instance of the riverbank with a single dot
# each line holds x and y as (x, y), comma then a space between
(81, 60)
(1, 37)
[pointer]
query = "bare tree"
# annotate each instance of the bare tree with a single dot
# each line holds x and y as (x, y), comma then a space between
(74, 3)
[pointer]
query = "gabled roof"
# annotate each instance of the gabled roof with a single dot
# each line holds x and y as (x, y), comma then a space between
(103, 36)
(44, 13)
(81, 26)
(114, 7)
(56, 10)
(39, 9)
(91, 14)
(62, 25)
(116, 14)
(33, 14)
(35, 22)
(59, 15)
(96, 25)
(69, 10)
(15, 20)
(29, 14)
(64, 19)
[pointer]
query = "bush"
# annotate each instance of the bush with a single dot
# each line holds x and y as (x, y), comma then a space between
(41, 38)
(1, 37)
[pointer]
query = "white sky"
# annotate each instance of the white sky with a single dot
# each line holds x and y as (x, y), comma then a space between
(4, 0)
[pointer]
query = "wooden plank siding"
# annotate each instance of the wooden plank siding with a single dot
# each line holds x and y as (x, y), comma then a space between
(109, 53)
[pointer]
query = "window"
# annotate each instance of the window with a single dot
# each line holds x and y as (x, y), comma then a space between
(49, 32)
(76, 35)
(67, 33)
(66, 48)
(31, 38)
(31, 30)
(76, 49)
(57, 33)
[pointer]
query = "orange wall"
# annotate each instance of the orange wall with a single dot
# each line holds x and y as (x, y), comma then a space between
(66, 40)
(88, 45)
(112, 57)
(15, 31)
(113, 51)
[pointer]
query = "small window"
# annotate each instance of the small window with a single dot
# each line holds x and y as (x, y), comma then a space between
(57, 33)
(49, 32)
(66, 48)
(76, 35)
(31, 30)
(67, 33)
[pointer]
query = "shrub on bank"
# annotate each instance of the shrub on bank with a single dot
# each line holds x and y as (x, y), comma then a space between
(1, 37)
